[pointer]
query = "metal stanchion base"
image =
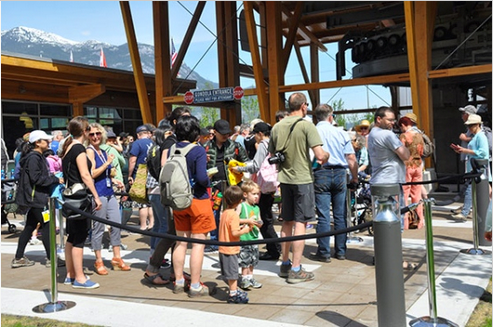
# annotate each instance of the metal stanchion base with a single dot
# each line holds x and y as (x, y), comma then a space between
(354, 239)
(475, 251)
(54, 307)
(428, 321)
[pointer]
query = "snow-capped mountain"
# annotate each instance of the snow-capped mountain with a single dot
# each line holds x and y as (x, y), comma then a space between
(30, 41)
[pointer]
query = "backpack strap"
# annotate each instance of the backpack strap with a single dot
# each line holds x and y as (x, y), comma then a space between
(183, 151)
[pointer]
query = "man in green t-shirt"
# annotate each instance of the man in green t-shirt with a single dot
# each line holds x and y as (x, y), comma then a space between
(296, 179)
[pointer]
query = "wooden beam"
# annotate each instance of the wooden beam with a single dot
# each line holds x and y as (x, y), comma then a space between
(85, 93)
(188, 38)
(276, 73)
(290, 39)
(257, 65)
(315, 75)
(305, 32)
(459, 71)
(77, 109)
(136, 64)
(376, 80)
(162, 57)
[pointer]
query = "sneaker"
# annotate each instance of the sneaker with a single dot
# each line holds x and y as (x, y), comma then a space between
(211, 249)
(70, 281)
(458, 210)
(255, 284)
(59, 262)
(165, 264)
(202, 291)
(110, 248)
(123, 246)
(316, 257)
(239, 298)
(22, 262)
(284, 270)
(178, 288)
(89, 284)
(246, 284)
(301, 276)
(459, 216)
(34, 241)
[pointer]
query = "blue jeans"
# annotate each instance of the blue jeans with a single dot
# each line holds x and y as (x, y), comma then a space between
(330, 188)
(160, 218)
(466, 209)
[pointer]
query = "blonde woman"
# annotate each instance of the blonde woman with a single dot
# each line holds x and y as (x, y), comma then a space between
(101, 173)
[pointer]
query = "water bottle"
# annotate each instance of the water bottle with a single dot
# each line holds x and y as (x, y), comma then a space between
(12, 173)
(3, 174)
(217, 201)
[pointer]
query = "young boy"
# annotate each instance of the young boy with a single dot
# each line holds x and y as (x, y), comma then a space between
(230, 231)
(249, 254)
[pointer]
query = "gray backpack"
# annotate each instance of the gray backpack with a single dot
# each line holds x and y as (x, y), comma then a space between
(174, 182)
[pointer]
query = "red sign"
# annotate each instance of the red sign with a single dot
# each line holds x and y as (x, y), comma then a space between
(238, 93)
(188, 97)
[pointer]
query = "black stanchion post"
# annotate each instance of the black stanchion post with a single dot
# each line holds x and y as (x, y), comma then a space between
(388, 255)
(54, 305)
(432, 320)
(480, 200)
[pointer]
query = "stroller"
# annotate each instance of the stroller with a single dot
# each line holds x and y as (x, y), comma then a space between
(9, 189)
(361, 205)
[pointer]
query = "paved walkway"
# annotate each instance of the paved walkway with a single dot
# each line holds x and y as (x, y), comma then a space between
(342, 294)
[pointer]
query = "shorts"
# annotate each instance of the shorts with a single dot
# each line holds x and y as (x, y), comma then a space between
(229, 266)
(298, 202)
(248, 256)
(141, 205)
(198, 219)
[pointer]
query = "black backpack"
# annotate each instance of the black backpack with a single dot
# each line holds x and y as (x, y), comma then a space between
(154, 161)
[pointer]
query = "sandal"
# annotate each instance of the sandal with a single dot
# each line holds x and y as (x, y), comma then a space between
(152, 279)
(100, 268)
(410, 266)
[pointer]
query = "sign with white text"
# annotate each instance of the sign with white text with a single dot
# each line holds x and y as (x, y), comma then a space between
(214, 95)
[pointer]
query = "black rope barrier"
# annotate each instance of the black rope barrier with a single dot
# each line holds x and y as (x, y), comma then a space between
(211, 242)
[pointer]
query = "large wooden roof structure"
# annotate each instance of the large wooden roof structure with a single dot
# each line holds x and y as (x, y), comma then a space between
(271, 30)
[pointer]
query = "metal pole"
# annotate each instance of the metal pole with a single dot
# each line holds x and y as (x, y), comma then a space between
(53, 250)
(432, 320)
(480, 200)
(54, 305)
(62, 229)
(388, 258)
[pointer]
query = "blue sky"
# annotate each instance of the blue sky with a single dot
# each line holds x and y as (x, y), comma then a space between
(102, 21)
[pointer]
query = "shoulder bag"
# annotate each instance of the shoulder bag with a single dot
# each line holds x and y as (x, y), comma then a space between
(76, 197)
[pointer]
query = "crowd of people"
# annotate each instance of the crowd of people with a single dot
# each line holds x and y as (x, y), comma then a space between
(317, 165)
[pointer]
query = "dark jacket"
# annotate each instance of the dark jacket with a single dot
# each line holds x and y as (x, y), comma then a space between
(35, 181)
(232, 150)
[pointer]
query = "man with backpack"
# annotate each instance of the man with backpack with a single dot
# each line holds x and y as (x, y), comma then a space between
(221, 150)
(331, 184)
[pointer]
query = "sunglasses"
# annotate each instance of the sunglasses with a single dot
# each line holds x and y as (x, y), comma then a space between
(97, 134)
(363, 127)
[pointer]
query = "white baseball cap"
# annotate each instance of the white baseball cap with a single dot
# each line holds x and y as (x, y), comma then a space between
(39, 135)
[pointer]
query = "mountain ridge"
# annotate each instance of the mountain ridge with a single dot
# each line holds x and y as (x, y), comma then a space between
(34, 42)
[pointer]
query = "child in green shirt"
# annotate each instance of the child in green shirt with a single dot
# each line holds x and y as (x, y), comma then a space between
(249, 254)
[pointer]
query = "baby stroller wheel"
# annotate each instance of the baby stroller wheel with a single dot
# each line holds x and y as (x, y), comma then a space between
(12, 228)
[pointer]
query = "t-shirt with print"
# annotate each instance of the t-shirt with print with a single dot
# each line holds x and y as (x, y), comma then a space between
(297, 168)
(249, 211)
(230, 221)
(140, 149)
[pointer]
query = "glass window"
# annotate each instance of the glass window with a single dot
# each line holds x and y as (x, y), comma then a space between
(55, 110)
(24, 109)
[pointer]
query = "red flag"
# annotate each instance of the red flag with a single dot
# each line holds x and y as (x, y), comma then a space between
(102, 59)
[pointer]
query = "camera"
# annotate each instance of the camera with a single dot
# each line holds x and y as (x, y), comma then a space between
(277, 158)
